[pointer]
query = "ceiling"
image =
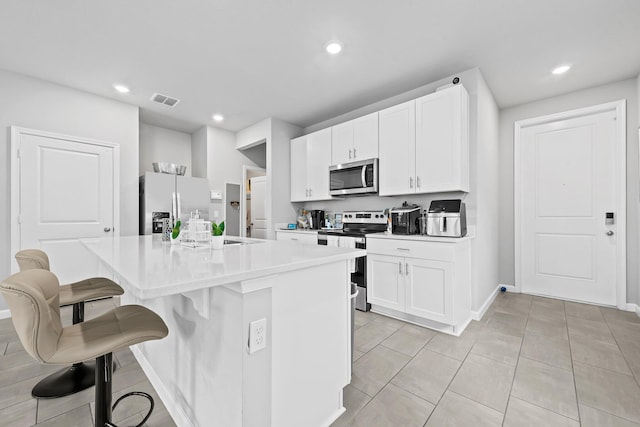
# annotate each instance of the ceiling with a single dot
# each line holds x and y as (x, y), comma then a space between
(253, 59)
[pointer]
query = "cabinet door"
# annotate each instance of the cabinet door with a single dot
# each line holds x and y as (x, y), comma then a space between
(298, 166)
(397, 165)
(318, 162)
(442, 142)
(342, 143)
(365, 137)
(429, 289)
(385, 284)
(304, 238)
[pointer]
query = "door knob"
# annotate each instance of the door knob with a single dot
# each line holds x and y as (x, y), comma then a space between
(610, 233)
(107, 229)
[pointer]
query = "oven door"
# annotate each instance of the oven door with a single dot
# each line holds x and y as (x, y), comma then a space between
(354, 178)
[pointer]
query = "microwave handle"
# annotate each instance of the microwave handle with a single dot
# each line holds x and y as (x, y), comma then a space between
(364, 176)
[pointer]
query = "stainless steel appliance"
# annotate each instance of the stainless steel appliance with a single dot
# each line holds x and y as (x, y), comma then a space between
(317, 219)
(447, 218)
(355, 226)
(354, 178)
(405, 219)
(164, 195)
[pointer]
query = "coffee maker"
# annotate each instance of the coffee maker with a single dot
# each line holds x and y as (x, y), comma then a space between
(317, 219)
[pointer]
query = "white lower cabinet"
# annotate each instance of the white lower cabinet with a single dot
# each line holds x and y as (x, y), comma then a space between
(420, 280)
(304, 237)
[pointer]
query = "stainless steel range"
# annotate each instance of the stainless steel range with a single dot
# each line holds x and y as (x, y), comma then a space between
(356, 225)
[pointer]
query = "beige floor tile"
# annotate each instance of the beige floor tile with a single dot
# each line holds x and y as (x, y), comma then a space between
(160, 418)
(546, 386)
(370, 335)
(511, 324)
(552, 303)
(449, 345)
(13, 347)
(613, 315)
(598, 353)
(373, 370)
(362, 318)
(428, 375)
(51, 408)
(631, 352)
(77, 417)
(497, 346)
(458, 411)
(593, 329)
(25, 372)
(543, 349)
(12, 394)
(389, 321)
(134, 405)
(524, 414)
(22, 414)
(357, 355)
(609, 391)
(583, 311)
(409, 339)
(591, 417)
(394, 407)
(550, 328)
(485, 381)
(353, 401)
(17, 359)
(545, 310)
(626, 331)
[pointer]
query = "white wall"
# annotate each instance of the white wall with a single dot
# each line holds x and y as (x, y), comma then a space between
(41, 105)
(199, 153)
(627, 89)
(158, 144)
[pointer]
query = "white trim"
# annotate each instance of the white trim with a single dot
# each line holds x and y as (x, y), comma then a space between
(5, 314)
(177, 414)
(621, 185)
(477, 314)
(634, 308)
(16, 132)
(638, 310)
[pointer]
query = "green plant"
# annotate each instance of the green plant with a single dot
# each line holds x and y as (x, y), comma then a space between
(176, 230)
(217, 229)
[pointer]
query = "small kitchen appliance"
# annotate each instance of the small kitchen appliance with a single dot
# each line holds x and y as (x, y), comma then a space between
(354, 178)
(447, 218)
(405, 219)
(355, 226)
(317, 219)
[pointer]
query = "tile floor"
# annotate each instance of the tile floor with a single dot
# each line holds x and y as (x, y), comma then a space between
(530, 362)
(19, 372)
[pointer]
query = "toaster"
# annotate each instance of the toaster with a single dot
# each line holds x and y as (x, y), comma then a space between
(447, 218)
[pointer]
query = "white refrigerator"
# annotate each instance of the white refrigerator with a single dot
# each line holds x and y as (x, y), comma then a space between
(164, 195)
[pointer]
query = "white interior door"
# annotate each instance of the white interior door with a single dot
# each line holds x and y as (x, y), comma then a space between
(259, 207)
(568, 186)
(66, 193)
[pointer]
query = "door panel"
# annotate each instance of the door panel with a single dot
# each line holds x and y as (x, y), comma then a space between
(298, 169)
(385, 285)
(365, 137)
(397, 143)
(430, 289)
(318, 162)
(259, 218)
(66, 194)
(568, 185)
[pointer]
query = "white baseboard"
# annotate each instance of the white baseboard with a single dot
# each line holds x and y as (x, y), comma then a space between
(638, 310)
(477, 315)
(176, 412)
(510, 288)
(635, 308)
(5, 314)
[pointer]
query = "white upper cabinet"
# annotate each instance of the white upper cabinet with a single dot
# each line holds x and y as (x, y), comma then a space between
(442, 141)
(397, 164)
(310, 161)
(355, 140)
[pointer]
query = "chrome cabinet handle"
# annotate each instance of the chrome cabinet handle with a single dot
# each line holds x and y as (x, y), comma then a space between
(310, 192)
(400, 267)
(418, 182)
(306, 192)
(406, 268)
(349, 154)
(404, 249)
(410, 182)
(107, 229)
(610, 233)
(354, 153)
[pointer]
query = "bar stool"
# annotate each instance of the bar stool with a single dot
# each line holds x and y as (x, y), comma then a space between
(34, 301)
(79, 376)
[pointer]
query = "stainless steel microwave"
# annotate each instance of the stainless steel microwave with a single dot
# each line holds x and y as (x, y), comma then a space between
(354, 178)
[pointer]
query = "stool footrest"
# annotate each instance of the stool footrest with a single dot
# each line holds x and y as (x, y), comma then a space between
(136, 393)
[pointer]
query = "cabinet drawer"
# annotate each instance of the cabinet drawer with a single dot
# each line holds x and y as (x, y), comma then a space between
(412, 249)
(304, 238)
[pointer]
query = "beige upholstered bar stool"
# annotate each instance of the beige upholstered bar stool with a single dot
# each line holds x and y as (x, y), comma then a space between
(80, 375)
(34, 302)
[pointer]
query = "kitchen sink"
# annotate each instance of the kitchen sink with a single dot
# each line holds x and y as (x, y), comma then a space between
(233, 242)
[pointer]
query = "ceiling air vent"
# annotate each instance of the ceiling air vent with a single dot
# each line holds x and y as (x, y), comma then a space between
(164, 99)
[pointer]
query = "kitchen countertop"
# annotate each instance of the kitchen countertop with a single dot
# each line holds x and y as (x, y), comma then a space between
(149, 268)
(421, 238)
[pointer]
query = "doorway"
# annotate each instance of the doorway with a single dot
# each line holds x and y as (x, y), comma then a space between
(246, 215)
(63, 189)
(232, 209)
(570, 205)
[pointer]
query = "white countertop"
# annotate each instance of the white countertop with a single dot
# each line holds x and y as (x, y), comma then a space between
(150, 268)
(420, 238)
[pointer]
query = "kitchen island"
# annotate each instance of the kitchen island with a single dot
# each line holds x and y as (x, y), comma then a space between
(206, 371)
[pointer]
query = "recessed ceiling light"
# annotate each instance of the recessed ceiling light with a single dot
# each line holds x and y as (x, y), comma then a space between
(333, 47)
(218, 117)
(121, 88)
(562, 69)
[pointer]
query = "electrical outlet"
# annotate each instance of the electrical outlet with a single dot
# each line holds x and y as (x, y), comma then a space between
(257, 335)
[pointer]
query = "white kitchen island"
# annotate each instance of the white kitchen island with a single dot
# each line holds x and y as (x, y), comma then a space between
(203, 370)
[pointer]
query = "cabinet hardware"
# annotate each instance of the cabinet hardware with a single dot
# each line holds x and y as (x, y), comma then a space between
(404, 249)
(406, 268)
(410, 182)
(354, 153)
(107, 229)
(400, 267)
(418, 182)
(310, 192)
(610, 233)
(349, 154)
(306, 192)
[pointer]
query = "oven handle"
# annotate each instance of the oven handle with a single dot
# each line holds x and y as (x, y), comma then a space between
(364, 176)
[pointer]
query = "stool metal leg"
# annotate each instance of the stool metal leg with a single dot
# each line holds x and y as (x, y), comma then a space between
(104, 375)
